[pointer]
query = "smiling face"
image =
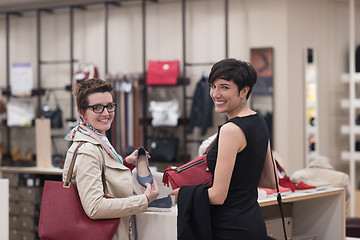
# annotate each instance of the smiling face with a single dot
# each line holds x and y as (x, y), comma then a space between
(227, 98)
(100, 121)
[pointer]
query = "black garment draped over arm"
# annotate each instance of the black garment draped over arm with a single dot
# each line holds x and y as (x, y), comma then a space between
(194, 222)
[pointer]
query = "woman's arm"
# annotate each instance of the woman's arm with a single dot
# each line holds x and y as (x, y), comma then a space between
(88, 172)
(267, 179)
(231, 141)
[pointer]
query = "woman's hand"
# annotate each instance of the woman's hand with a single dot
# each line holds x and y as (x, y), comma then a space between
(151, 191)
(175, 193)
(131, 159)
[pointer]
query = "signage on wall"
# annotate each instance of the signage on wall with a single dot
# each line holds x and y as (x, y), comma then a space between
(21, 79)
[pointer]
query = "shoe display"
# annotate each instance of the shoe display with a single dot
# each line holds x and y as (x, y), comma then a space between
(284, 179)
(143, 173)
(161, 204)
(286, 182)
(272, 192)
(303, 186)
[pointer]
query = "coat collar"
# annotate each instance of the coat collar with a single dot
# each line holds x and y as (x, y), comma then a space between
(79, 137)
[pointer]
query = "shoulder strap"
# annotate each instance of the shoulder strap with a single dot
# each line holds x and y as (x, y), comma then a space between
(72, 164)
(103, 176)
(71, 168)
(279, 199)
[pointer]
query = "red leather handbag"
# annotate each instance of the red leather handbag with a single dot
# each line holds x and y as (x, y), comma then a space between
(162, 72)
(63, 217)
(191, 173)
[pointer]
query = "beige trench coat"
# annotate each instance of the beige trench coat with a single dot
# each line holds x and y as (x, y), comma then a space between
(119, 183)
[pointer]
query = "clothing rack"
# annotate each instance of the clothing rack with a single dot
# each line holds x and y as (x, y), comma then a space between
(184, 120)
(125, 128)
(39, 91)
(192, 64)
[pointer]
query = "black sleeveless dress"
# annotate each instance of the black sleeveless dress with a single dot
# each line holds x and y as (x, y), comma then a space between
(240, 216)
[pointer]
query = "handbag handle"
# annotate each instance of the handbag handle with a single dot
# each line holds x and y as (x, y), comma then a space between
(48, 95)
(71, 168)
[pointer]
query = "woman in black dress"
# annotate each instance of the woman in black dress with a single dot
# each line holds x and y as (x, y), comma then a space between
(239, 158)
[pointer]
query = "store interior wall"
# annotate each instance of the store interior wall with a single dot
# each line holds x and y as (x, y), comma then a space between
(287, 26)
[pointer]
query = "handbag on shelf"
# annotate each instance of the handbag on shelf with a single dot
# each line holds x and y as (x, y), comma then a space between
(164, 113)
(55, 115)
(191, 173)
(63, 217)
(164, 149)
(84, 71)
(162, 72)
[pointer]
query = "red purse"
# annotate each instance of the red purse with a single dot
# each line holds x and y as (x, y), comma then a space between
(162, 72)
(191, 173)
(63, 217)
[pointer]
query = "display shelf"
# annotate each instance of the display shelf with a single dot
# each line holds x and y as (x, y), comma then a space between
(311, 139)
(345, 77)
(311, 129)
(33, 170)
(310, 104)
(345, 156)
(345, 129)
(345, 103)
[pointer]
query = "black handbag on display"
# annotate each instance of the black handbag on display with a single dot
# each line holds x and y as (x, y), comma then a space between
(164, 149)
(55, 115)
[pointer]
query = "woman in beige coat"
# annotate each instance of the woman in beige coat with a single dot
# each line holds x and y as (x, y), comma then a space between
(96, 156)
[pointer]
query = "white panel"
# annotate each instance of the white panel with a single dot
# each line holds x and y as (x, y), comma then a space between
(4, 209)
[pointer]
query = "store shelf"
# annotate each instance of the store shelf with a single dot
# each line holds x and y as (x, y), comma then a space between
(33, 170)
(345, 156)
(310, 104)
(345, 129)
(345, 77)
(311, 129)
(345, 103)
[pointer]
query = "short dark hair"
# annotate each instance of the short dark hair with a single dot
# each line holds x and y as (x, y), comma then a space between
(88, 86)
(242, 73)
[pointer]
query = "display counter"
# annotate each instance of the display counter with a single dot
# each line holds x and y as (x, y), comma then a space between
(320, 213)
(32, 170)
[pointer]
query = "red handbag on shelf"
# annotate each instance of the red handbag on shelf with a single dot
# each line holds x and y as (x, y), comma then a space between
(191, 173)
(162, 72)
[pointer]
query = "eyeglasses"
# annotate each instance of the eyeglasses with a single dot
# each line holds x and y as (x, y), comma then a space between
(99, 108)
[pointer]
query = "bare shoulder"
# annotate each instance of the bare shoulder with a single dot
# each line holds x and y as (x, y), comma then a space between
(232, 135)
(231, 128)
